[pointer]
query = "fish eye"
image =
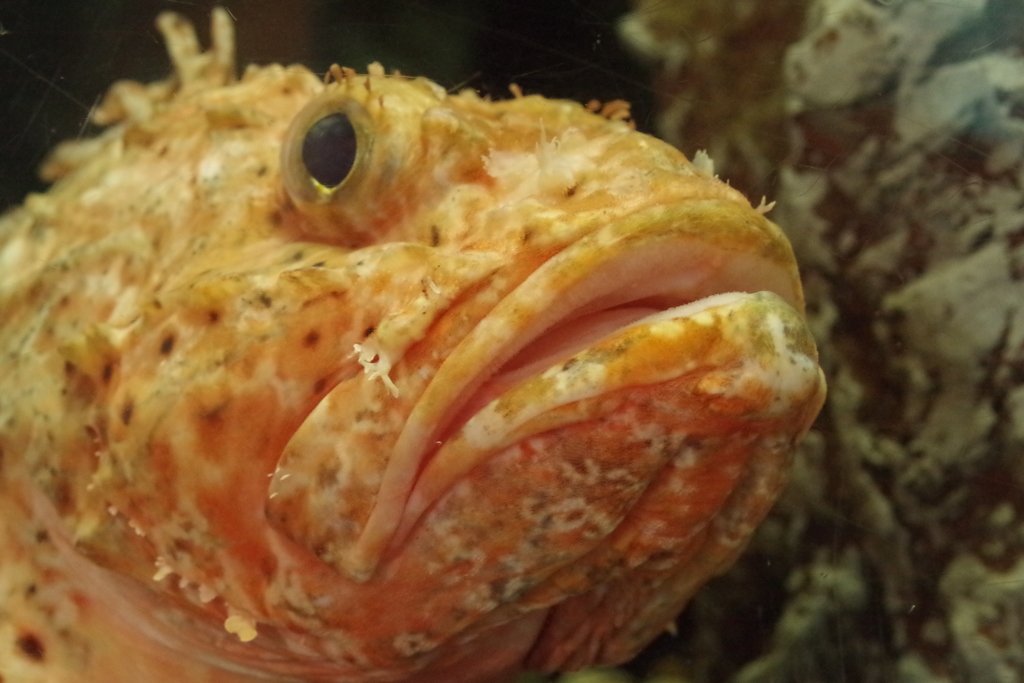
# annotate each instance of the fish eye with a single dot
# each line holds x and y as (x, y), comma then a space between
(329, 149)
(326, 150)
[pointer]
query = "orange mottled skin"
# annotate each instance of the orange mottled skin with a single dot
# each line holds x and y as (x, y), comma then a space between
(442, 422)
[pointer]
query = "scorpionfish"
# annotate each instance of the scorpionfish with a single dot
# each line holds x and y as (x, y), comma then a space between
(352, 379)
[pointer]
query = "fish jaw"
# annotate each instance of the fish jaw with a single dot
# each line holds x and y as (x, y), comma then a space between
(725, 360)
(663, 257)
(605, 490)
(591, 500)
(648, 445)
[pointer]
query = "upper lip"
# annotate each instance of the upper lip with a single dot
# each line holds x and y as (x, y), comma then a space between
(658, 260)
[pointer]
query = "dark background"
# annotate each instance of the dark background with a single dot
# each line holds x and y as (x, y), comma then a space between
(57, 57)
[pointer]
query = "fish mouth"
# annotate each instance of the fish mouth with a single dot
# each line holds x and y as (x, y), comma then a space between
(661, 264)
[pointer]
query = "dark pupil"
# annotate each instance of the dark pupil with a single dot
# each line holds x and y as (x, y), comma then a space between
(329, 149)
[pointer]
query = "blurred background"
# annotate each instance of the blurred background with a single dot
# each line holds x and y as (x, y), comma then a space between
(59, 56)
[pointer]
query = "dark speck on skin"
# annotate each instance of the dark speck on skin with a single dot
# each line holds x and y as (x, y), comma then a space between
(167, 345)
(326, 476)
(435, 236)
(214, 316)
(265, 299)
(320, 385)
(126, 412)
(319, 264)
(61, 495)
(214, 414)
(368, 331)
(312, 338)
(31, 646)
(108, 372)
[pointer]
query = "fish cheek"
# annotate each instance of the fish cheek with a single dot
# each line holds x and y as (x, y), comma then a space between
(326, 480)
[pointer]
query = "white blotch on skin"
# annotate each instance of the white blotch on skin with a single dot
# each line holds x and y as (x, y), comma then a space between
(376, 365)
(242, 626)
(790, 374)
(703, 162)
(553, 167)
(409, 644)
(206, 594)
(210, 169)
(163, 570)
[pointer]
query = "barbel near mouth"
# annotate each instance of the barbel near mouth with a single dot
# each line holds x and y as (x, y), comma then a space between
(652, 261)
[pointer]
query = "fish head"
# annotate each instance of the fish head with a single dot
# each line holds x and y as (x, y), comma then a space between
(394, 383)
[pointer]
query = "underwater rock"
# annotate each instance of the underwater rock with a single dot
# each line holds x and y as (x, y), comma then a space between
(718, 80)
(897, 553)
(905, 206)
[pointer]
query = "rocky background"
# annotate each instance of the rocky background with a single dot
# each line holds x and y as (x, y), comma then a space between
(897, 553)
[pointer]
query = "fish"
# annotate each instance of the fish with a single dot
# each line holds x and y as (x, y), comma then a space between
(352, 379)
